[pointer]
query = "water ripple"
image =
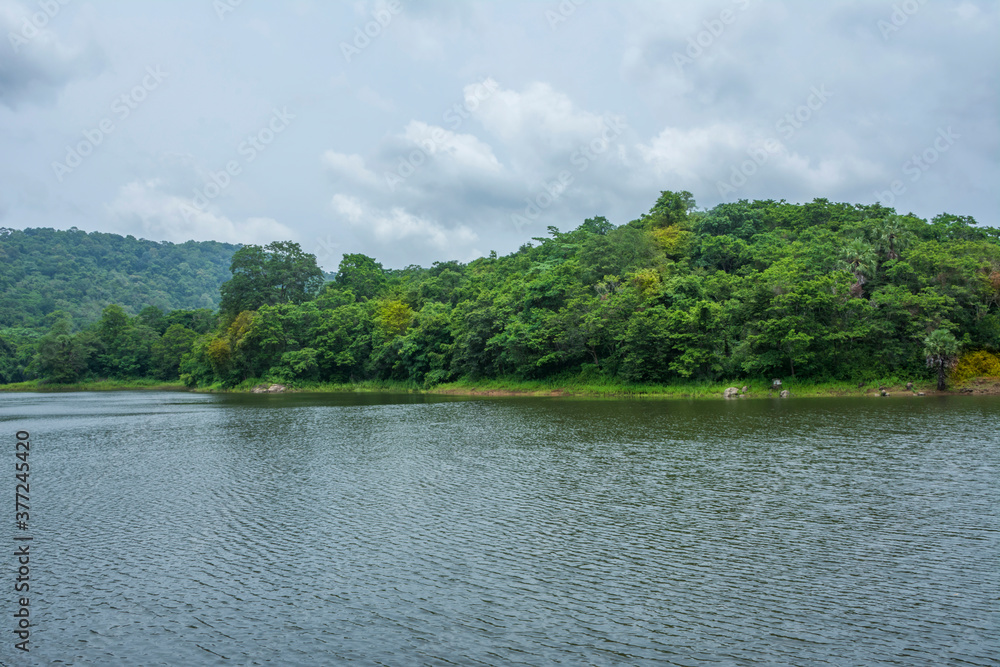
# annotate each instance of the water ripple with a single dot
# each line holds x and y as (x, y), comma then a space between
(293, 530)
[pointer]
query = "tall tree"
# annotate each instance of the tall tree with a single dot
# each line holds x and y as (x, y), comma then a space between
(279, 272)
(362, 274)
(859, 257)
(168, 351)
(61, 357)
(892, 236)
(941, 351)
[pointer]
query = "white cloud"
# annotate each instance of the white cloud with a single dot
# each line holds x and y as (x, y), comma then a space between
(692, 154)
(464, 151)
(143, 209)
(539, 117)
(372, 98)
(395, 225)
(349, 167)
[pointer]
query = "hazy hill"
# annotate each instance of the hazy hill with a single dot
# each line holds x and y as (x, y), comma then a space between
(44, 270)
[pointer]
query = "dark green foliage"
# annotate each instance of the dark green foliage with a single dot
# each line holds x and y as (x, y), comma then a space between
(62, 357)
(362, 275)
(266, 276)
(168, 351)
(824, 291)
(44, 270)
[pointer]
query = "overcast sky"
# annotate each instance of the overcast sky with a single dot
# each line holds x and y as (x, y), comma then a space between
(416, 131)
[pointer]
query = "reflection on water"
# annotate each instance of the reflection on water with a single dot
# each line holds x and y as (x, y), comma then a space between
(320, 529)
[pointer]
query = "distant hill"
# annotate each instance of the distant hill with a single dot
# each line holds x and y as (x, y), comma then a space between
(44, 270)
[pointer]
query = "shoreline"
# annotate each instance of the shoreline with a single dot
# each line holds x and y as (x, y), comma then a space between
(501, 388)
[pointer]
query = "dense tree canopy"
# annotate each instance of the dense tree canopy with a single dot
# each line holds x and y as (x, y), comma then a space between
(761, 289)
(45, 270)
(265, 276)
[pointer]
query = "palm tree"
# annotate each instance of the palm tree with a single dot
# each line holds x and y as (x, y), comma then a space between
(859, 259)
(892, 235)
(941, 350)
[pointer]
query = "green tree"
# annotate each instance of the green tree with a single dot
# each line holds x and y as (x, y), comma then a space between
(61, 357)
(113, 325)
(169, 349)
(154, 318)
(279, 272)
(859, 259)
(361, 274)
(941, 350)
(299, 365)
(892, 236)
(671, 208)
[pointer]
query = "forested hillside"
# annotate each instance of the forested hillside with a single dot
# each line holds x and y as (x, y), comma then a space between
(818, 291)
(79, 273)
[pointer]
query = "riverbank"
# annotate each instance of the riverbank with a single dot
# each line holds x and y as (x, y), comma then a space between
(893, 387)
(747, 389)
(95, 385)
(577, 387)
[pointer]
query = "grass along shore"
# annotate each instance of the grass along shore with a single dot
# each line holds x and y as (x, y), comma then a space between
(569, 386)
(754, 388)
(95, 385)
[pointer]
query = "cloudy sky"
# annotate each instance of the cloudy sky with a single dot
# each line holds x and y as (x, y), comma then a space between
(423, 130)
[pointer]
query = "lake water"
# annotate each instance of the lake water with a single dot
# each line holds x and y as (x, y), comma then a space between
(184, 529)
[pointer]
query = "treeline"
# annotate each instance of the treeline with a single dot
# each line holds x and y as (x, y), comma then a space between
(823, 291)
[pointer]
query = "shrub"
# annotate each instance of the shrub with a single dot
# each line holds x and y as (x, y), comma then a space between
(976, 364)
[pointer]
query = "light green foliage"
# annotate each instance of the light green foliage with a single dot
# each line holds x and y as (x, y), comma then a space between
(394, 317)
(859, 259)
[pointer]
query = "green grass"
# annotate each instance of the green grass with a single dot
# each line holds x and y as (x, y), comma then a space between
(564, 386)
(95, 385)
(755, 388)
(364, 386)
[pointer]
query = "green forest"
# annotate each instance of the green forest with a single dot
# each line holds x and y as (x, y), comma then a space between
(748, 290)
(43, 271)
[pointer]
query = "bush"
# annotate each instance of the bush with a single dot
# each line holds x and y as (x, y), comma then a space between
(976, 364)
